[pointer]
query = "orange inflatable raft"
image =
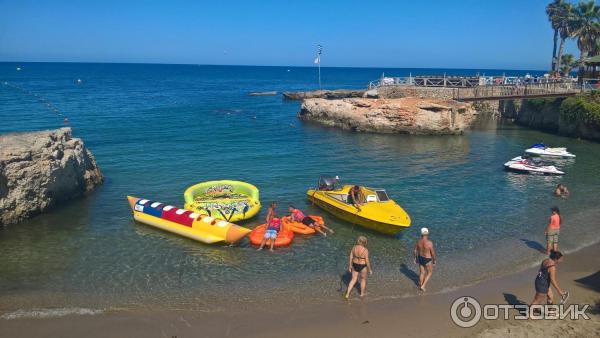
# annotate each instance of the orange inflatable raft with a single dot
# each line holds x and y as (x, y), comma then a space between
(284, 237)
(299, 227)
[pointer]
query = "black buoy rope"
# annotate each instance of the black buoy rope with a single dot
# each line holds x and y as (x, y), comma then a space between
(42, 100)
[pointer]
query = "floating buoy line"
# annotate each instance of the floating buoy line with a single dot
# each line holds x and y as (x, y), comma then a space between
(45, 102)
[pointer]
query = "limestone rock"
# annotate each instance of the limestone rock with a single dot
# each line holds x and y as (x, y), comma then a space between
(38, 170)
(324, 94)
(408, 115)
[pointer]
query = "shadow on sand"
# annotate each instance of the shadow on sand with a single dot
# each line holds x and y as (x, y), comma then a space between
(537, 246)
(513, 300)
(591, 282)
(406, 271)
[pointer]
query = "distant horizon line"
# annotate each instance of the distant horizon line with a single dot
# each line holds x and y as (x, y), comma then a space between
(288, 66)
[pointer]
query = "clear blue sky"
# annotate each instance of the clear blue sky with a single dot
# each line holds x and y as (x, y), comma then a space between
(454, 34)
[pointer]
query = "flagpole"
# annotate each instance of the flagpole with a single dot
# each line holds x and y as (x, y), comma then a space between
(319, 72)
(318, 61)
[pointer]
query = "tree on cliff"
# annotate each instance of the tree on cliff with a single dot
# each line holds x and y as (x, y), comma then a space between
(563, 19)
(586, 29)
(581, 22)
(552, 10)
(568, 62)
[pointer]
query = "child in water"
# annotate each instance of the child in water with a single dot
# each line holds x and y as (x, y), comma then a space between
(273, 228)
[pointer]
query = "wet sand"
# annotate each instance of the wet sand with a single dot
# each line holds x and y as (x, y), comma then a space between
(421, 315)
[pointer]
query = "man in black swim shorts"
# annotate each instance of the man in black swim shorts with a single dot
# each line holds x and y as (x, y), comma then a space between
(424, 256)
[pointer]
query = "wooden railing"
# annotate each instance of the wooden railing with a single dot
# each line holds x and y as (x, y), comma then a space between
(494, 88)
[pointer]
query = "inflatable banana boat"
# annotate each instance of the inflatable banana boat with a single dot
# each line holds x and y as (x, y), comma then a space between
(284, 236)
(300, 228)
(189, 224)
(228, 200)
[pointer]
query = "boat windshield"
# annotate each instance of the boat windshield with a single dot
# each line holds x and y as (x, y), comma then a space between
(382, 195)
(327, 183)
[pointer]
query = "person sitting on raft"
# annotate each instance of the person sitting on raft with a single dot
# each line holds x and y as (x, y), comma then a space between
(273, 228)
(296, 215)
(561, 191)
(355, 197)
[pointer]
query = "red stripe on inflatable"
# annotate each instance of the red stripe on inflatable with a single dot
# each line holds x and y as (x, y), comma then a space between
(183, 219)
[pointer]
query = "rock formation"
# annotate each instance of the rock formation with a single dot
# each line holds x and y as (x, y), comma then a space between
(272, 93)
(41, 169)
(324, 94)
(404, 115)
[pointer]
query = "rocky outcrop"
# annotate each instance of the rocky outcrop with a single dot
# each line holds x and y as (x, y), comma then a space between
(38, 170)
(273, 93)
(404, 115)
(324, 94)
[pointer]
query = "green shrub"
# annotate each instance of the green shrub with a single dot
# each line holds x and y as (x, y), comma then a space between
(542, 104)
(582, 108)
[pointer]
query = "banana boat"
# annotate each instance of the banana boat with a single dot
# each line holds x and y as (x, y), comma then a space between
(186, 223)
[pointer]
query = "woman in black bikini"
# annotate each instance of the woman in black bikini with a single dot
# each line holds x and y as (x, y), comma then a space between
(359, 264)
(546, 278)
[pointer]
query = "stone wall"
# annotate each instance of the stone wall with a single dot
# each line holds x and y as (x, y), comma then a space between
(545, 115)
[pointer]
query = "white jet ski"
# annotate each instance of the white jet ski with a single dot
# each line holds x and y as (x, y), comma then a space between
(541, 150)
(527, 166)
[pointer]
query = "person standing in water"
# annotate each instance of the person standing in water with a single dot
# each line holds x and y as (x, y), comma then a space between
(552, 230)
(424, 255)
(271, 212)
(359, 264)
(546, 278)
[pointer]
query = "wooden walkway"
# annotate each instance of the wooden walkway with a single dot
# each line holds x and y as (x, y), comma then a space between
(513, 97)
(513, 92)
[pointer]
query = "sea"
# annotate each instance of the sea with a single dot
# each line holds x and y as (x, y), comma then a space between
(156, 129)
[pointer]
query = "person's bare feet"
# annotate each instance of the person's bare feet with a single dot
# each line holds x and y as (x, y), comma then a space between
(271, 250)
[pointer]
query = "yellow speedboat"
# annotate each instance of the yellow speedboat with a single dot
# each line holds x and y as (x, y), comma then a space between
(378, 212)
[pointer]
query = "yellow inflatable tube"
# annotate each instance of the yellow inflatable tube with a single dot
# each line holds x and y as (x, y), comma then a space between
(192, 225)
(229, 200)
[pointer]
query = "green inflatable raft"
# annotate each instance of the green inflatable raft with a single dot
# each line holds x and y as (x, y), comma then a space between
(229, 200)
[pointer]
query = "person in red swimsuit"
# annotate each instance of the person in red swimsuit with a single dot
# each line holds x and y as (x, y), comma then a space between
(552, 231)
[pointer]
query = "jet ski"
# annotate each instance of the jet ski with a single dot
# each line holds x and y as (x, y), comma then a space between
(527, 166)
(540, 149)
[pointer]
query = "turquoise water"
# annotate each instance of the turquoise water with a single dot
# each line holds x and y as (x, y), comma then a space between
(156, 129)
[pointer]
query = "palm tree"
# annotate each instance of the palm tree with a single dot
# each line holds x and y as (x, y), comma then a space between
(551, 11)
(564, 20)
(568, 63)
(586, 29)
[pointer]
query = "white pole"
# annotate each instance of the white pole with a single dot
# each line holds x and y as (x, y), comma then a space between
(319, 48)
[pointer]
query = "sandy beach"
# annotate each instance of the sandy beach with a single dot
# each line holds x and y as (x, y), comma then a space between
(421, 315)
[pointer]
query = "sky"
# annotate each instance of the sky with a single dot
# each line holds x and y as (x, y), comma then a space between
(485, 34)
